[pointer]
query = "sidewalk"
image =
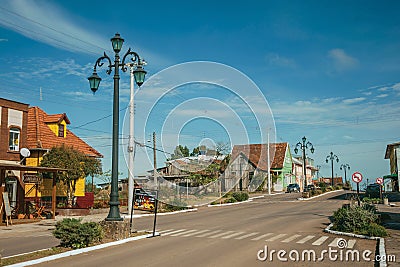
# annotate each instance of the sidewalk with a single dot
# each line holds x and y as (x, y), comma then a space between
(391, 221)
(46, 226)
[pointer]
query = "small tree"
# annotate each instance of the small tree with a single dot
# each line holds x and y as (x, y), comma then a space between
(77, 164)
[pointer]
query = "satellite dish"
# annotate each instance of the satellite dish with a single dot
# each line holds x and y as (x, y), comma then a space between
(25, 152)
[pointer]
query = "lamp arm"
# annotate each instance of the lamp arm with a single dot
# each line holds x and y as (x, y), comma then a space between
(135, 58)
(299, 144)
(100, 63)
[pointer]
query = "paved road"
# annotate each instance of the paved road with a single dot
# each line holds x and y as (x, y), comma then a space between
(235, 236)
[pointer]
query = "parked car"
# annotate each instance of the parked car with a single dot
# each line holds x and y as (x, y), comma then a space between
(292, 188)
(373, 191)
(310, 187)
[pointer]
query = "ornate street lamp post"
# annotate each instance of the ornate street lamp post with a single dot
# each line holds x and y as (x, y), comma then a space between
(345, 167)
(332, 157)
(94, 81)
(303, 146)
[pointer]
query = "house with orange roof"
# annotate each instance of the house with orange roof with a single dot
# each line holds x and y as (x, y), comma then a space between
(44, 132)
(249, 167)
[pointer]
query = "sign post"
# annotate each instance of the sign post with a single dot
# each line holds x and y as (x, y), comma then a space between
(380, 182)
(357, 178)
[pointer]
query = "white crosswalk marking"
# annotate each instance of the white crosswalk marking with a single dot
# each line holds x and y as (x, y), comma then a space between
(163, 231)
(221, 234)
(320, 240)
(173, 232)
(351, 243)
(210, 233)
(305, 239)
(262, 236)
(233, 235)
(196, 233)
(246, 236)
(186, 232)
(275, 237)
(334, 242)
(289, 239)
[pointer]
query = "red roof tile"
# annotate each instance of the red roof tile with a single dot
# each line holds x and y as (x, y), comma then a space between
(41, 136)
(257, 154)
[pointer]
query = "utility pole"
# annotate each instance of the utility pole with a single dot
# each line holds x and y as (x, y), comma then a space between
(155, 159)
(131, 178)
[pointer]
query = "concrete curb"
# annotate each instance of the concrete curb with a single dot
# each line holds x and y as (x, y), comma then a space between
(80, 251)
(246, 201)
(326, 193)
(381, 240)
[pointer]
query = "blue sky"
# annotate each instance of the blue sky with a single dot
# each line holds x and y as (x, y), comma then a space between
(329, 71)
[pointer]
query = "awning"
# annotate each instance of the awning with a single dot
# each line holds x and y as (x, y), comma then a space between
(390, 176)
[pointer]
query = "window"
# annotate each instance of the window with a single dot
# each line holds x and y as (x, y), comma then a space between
(61, 130)
(14, 139)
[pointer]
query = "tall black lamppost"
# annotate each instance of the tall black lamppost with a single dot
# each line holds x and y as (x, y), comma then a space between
(303, 146)
(94, 81)
(345, 167)
(332, 157)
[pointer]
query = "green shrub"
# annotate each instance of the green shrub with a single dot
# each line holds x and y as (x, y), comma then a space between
(240, 196)
(375, 229)
(371, 200)
(230, 200)
(176, 205)
(359, 220)
(74, 234)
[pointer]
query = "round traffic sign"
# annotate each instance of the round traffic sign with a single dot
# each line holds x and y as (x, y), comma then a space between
(357, 177)
(379, 180)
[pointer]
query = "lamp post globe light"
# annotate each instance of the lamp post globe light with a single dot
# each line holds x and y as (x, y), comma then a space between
(332, 157)
(345, 167)
(303, 146)
(94, 81)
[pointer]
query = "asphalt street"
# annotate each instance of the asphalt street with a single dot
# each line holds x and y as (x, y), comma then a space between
(274, 230)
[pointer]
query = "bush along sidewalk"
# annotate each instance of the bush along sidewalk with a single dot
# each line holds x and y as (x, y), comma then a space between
(75, 234)
(232, 198)
(362, 220)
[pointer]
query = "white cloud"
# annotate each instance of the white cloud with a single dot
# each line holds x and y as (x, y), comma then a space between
(382, 95)
(341, 60)
(46, 22)
(353, 100)
(277, 60)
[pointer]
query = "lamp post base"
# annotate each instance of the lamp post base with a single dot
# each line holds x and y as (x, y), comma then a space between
(114, 214)
(116, 230)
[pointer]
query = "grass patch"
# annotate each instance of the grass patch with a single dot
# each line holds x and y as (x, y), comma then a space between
(51, 251)
(33, 255)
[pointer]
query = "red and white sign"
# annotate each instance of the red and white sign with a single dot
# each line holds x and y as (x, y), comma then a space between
(379, 180)
(357, 177)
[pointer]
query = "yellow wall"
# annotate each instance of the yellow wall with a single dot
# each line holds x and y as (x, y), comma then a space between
(54, 127)
(45, 189)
